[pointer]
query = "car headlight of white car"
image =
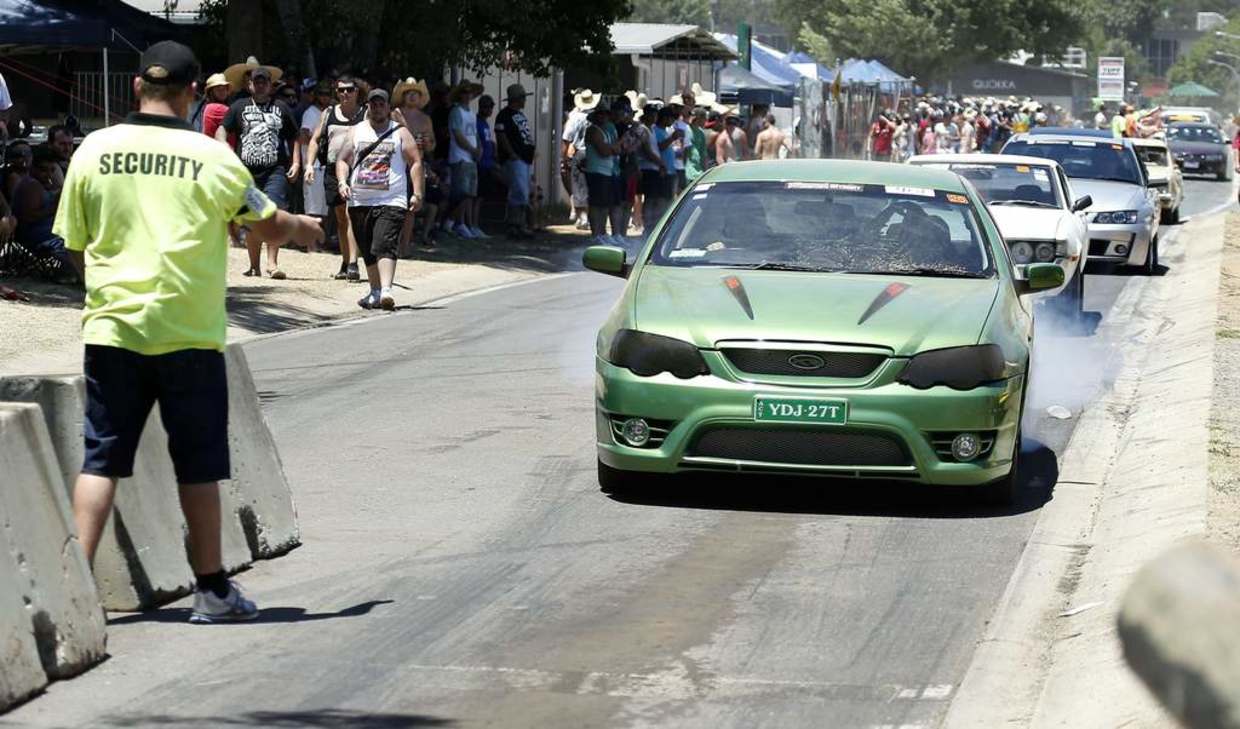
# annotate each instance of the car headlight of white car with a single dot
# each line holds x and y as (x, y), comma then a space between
(1118, 217)
(1036, 251)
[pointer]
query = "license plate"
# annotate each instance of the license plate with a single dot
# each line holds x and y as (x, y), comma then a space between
(1191, 165)
(800, 410)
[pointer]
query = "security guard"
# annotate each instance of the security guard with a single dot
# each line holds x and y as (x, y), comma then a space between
(145, 213)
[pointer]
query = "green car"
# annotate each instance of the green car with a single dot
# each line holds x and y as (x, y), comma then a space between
(822, 317)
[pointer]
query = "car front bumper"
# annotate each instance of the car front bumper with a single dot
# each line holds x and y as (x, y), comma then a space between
(882, 410)
(1128, 244)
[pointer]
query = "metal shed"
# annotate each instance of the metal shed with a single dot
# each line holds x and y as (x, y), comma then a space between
(664, 59)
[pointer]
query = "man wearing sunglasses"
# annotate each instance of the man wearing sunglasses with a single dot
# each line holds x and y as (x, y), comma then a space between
(325, 145)
(265, 130)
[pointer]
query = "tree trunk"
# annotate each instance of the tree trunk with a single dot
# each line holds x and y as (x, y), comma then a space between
(244, 24)
(290, 18)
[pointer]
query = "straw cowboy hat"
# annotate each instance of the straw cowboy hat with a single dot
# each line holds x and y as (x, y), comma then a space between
(636, 101)
(235, 74)
(465, 87)
(217, 79)
(585, 100)
(410, 84)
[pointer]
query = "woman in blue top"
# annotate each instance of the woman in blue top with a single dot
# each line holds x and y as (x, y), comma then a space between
(602, 173)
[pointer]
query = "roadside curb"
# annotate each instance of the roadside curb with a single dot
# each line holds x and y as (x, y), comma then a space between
(1127, 490)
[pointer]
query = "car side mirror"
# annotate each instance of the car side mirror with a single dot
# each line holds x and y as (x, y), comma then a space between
(1040, 277)
(606, 259)
(1082, 203)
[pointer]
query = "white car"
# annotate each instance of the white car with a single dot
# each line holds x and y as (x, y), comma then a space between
(1165, 175)
(1032, 204)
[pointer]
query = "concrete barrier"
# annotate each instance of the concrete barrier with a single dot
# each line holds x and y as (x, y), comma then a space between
(21, 673)
(1178, 625)
(258, 487)
(52, 577)
(141, 561)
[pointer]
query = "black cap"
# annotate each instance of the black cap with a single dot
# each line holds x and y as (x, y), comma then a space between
(377, 94)
(169, 63)
(262, 71)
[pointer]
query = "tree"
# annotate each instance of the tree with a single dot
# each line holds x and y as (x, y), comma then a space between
(816, 44)
(1195, 66)
(927, 38)
(691, 12)
(420, 39)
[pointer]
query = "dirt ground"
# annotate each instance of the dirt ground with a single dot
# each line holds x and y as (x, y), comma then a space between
(43, 336)
(1223, 523)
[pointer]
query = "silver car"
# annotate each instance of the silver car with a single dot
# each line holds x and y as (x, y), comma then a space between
(1124, 217)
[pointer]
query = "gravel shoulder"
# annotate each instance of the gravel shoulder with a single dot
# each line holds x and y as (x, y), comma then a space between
(1223, 518)
(43, 335)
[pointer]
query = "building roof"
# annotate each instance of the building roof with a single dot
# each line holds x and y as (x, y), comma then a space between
(672, 41)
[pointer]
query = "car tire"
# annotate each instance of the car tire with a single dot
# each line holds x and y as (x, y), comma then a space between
(615, 481)
(1005, 491)
(1175, 216)
(1222, 176)
(1151, 258)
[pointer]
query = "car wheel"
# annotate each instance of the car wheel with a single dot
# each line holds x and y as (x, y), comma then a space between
(1151, 258)
(1004, 491)
(614, 481)
(1222, 176)
(1175, 215)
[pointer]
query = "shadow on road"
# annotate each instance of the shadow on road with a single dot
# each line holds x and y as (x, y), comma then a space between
(267, 616)
(323, 718)
(1039, 471)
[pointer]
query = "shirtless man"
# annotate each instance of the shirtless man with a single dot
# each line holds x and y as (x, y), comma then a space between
(412, 97)
(732, 144)
(770, 140)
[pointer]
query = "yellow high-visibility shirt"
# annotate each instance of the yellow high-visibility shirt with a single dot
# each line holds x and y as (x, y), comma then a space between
(149, 202)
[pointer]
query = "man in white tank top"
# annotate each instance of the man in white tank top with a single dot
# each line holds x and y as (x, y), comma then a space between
(371, 169)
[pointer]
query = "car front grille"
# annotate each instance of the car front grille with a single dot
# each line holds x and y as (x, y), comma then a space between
(848, 365)
(801, 446)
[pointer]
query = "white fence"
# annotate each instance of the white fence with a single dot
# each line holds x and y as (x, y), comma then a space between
(86, 100)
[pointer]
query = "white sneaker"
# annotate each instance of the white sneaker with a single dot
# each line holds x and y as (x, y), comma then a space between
(462, 231)
(582, 223)
(478, 232)
(231, 608)
(369, 301)
(386, 302)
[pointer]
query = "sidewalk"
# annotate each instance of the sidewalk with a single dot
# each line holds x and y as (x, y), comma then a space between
(43, 336)
(1132, 483)
(1223, 517)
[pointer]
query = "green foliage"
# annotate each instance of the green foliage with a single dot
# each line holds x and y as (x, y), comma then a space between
(1196, 66)
(423, 38)
(816, 44)
(692, 12)
(925, 38)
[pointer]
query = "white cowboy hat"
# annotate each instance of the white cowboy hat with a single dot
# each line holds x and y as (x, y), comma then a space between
(585, 100)
(636, 100)
(702, 96)
(410, 84)
(235, 74)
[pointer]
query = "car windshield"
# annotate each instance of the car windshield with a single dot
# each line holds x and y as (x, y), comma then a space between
(1194, 133)
(1008, 183)
(1156, 156)
(818, 226)
(1083, 158)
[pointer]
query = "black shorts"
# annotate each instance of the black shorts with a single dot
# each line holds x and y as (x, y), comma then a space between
(601, 190)
(377, 231)
(652, 184)
(331, 186)
(192, 391)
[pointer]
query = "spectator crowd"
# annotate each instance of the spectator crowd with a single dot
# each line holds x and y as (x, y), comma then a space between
(425, 155)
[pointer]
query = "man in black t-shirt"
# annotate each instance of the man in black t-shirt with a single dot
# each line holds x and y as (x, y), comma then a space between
(515, 141)
(265, 131)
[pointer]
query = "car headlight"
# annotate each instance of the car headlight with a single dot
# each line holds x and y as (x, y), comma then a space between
(1044, 252)
(1119, 217)
(647, 355)
(960, 368)
(1022, 252)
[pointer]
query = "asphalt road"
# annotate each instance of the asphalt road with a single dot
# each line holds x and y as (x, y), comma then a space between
(462, 568)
